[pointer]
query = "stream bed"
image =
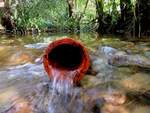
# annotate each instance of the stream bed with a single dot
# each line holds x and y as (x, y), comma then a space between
(118, 80)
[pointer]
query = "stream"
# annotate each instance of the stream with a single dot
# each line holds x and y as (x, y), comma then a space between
(118, 80)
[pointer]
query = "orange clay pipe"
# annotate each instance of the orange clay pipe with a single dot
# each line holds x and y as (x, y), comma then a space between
(66, 55)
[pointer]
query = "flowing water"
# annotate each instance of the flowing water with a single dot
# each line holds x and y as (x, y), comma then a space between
(26, 88)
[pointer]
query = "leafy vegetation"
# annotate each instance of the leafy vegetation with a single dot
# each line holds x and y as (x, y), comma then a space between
(105, 16)
(49, 14)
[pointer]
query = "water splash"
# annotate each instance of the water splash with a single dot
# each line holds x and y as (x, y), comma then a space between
(58, 95)
(62, 91)
(62, 81)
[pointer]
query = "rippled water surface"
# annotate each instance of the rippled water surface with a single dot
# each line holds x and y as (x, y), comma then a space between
(25, 87)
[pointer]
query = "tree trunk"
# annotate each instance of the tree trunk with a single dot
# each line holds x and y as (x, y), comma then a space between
(126, 24)
(142, 18)
(6, 19)
(74, 16)
(100, 16)
(70, 7)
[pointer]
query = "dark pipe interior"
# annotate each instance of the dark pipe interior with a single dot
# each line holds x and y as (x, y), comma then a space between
(66, 56)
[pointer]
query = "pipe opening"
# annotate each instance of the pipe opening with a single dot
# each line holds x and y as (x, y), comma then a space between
(66, 56)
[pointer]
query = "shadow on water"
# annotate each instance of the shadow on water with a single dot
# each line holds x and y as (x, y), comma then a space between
(25, 87)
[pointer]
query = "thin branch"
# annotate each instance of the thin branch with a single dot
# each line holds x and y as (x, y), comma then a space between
(82, 14)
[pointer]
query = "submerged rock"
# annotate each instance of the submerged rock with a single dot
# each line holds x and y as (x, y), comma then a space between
(115, 98)
(99, 100)
(90, 81)
(22, 106)
(141, 109)
(109, 108)
(136, 82)
(13, 56)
